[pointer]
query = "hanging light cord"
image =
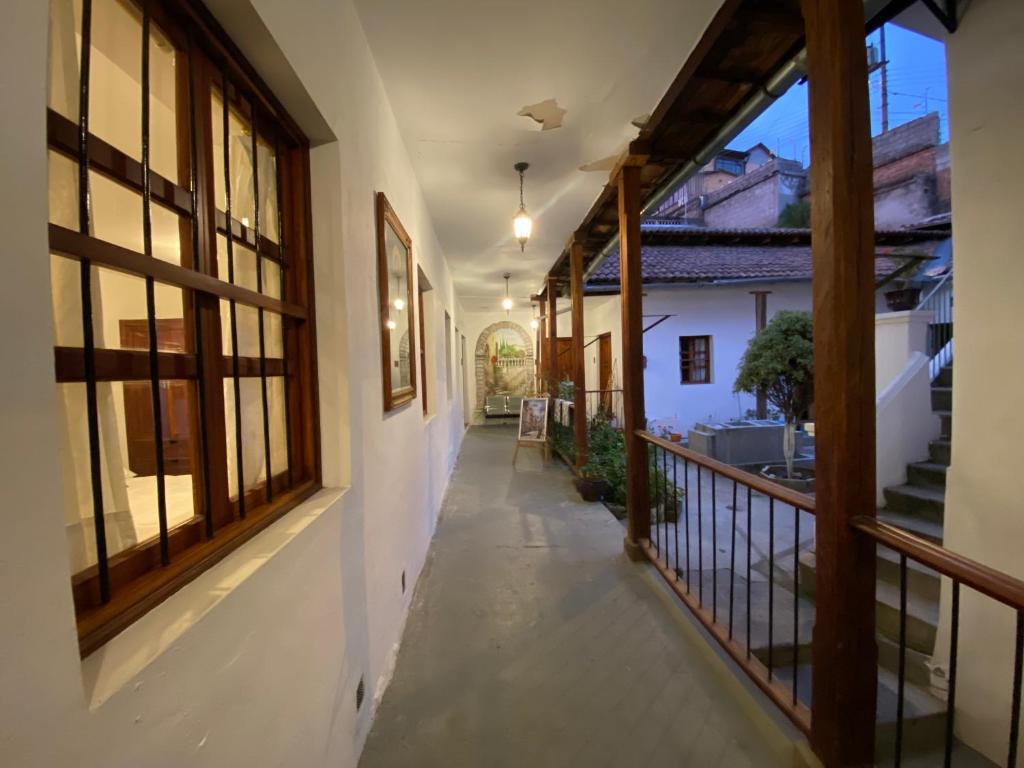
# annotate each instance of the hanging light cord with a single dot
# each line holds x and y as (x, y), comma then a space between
(522, 205)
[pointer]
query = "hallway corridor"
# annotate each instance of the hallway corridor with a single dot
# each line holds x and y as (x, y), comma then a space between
(532, 641)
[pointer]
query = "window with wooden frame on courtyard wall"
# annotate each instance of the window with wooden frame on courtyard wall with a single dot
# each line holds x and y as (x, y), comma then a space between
(695, 359)
(181, 274)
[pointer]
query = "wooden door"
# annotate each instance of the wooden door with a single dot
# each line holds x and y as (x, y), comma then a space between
(604, 369)
(174, 409)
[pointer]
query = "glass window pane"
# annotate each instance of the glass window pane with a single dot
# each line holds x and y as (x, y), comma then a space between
(271, 278)
(253, 454)
(115, 78)
(240, 157)
(277, 422)
(63, 180)
(127, 464)
(273, 334)
(244, 259)
(65, 56)
(66, 298)
(268, 190)
(116, 213)
(163, 126)
(248, 329)
(120, 317)
(166, 233)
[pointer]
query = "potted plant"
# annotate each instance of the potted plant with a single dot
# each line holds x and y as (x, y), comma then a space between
(779, 361)
(591, 483)
(902, 298)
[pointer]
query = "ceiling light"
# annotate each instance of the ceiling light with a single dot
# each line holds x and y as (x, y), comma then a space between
(391, 324)
(399, 304)
(506, 303)
(535, 324)
(522, 224)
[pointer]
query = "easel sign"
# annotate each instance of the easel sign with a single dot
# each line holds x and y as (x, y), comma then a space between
(533, 426)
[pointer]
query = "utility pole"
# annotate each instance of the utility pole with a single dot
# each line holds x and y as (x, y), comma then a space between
(885, 81)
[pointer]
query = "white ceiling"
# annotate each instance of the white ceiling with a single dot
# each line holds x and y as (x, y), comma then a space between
(457, 72)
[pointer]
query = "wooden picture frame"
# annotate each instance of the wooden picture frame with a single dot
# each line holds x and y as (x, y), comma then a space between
(533, 420)
(394, 288)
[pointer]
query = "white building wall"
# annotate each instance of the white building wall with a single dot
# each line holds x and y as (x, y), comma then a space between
(985, 484)
(725, 312)
(256, 662)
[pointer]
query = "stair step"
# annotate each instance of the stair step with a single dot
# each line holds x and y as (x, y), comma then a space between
(946, 417)
(927, 473)
(922, 617)
(945, 377)
(926, 529)
(942, 398)
(921, 579)
(939, 451)
(924, 502)
(917, 669)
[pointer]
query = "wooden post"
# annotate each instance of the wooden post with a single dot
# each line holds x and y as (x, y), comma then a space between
(844, 655)
(578, 370)
(552, 350)
(638, 507)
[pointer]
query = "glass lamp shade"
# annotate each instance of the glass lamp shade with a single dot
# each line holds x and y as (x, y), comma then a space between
(391, 324)
(399, 304)
(506, 303)
(523, 226)
(534, 324)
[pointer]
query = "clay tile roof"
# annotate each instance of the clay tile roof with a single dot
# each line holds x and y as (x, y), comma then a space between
(710, 261)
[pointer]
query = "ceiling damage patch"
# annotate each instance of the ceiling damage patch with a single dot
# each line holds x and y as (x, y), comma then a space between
(604, 164)
(546, 112)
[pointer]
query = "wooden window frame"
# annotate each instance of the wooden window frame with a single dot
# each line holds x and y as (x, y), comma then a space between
(118, 589)
(687, 356)
(386, 217)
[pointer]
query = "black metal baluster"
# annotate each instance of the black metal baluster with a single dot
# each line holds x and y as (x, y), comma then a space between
(686, 523)
(771, 584)
(732, 560)
(204, 446)
(88, 338)
(147, 246)
(749, 553)
(714, 549)
(796, 598)
(284, 320)
(1018, 663)
(652, 463)
(229, 238)
(954, 640)
(700, 543)
(902, 665)
(664, 498)
(675, 506)
(259, 288)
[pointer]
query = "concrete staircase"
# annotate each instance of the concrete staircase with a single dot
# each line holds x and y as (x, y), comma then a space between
(916, 506)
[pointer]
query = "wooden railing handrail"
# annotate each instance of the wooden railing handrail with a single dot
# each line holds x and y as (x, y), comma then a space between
(759, 484)
(981, 578)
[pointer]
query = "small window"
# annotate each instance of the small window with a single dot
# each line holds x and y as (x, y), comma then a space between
(695, 359)
(735, 167)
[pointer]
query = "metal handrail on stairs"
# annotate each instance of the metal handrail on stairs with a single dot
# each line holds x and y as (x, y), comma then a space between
(939, 300)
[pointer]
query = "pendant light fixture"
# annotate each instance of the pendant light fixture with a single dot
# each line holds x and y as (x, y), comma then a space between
(535, 323)
(506, 303)
(522, 224)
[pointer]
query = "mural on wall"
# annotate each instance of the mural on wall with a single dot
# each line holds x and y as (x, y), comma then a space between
(504, 361)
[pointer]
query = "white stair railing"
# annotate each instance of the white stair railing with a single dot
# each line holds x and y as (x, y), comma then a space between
(939, 301)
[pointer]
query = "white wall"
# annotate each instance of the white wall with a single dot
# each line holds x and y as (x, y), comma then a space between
(725, 312)
(255, 662)
(985, 484)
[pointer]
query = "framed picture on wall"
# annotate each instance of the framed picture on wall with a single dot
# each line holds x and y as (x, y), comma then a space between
(394, 287)
(533, 420)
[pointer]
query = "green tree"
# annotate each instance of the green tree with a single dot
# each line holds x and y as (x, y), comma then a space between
(795, 216)
(780, 362)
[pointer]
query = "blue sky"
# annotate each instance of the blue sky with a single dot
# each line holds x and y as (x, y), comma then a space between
(917, 84)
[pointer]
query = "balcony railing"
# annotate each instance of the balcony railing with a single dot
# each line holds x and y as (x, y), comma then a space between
(729, 543)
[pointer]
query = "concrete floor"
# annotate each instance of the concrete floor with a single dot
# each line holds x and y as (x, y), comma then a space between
(532, 641)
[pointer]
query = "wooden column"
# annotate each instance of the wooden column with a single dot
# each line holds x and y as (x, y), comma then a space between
(578, 370)
(552, 350)
(842, 220)
(638, 508)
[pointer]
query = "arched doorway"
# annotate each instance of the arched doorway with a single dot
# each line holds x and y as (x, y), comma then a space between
(504, 361)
